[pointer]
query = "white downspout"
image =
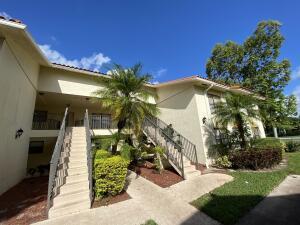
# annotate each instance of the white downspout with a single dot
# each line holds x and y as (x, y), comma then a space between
(207, 112)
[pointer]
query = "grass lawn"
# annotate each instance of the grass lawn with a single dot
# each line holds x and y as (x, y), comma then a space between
(230, 202)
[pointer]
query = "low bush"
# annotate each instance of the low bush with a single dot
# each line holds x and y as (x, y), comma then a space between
(110, 175)
(223, 162)
(255, 158)
(102, 154)
(292, 146)
(268, 143)
(149, 222)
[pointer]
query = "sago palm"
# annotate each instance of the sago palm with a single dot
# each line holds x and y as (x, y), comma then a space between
(126, 96)
(237, 110)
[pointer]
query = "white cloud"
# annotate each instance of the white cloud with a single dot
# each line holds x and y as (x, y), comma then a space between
(6, 15)
(296, 92)
(155, 82)
(296, 73)
(93, 62)
(160, 72)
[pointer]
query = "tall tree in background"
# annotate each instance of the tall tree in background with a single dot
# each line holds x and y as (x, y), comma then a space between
(255, 65)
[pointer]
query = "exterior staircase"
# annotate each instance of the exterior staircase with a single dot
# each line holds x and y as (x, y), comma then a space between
(73, 195)
(179, 151)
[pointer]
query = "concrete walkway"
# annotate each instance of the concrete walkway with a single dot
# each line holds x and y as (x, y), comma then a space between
(169, 206)
(280, 207)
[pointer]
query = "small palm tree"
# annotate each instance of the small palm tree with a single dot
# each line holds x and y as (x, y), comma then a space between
(125, 95)
(238, 110)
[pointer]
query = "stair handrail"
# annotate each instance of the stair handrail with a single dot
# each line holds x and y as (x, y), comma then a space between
(169, 139)
(188, 148)
(89, 155)
(55, 159)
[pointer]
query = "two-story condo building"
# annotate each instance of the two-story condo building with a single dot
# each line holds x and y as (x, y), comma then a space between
(34, 94)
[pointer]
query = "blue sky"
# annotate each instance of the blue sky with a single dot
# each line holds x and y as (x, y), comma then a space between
(172, 38)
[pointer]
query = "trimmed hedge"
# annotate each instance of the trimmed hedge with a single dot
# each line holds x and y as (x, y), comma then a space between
(255, 158)
(110, 175)
(102, 154)
(268, 143)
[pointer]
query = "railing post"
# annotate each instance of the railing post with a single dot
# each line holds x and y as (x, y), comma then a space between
(196, 157)
(182, 165)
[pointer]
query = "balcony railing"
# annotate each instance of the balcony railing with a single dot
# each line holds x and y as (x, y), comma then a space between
(53, 122)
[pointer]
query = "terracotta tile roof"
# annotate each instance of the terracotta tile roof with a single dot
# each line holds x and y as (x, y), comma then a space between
(78, 68)
(11, 20)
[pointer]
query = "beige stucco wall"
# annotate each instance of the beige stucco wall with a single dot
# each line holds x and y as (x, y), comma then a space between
(18, 81)
(178, 106)
(66, 82)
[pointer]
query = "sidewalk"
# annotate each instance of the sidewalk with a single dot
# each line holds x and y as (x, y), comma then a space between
(149, 201)
(280, 207)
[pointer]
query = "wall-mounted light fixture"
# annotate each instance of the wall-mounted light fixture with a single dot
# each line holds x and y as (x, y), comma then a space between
(204, 120)
(19, 133)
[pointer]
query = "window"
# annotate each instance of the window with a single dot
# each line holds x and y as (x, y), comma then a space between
(101, 121)
(40, 116)
(213, 100)
(36, 147)
(106, 121)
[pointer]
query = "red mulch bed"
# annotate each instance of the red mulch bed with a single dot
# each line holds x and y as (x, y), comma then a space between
(24, 203)
(167, 178)
(110, 200)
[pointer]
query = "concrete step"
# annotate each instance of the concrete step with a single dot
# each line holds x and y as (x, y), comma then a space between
(77, 146)
(74, 187)
(77, 157)
(77, 170)
(77, 160)
(76, 165)
(65, 198)
(75, 207)
(77, 178)
(189, 169)
(191, 174)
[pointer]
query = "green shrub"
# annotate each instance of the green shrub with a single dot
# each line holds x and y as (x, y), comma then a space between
(110, 175)
(268, 143)
(102, 154)
(128, 152)
(292, 146)
(149, 222)
(102, 142)
(223, 162)
(159, 150)
(255, 158)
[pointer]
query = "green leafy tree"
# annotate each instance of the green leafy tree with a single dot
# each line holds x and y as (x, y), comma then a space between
(126, 96)
(255, 65)
(237, 110)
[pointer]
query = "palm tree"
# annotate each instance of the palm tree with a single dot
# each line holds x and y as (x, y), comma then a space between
(126, 96)
(238, 110)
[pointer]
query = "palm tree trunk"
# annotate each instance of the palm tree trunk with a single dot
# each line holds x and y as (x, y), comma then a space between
(121, 124)
(240, 126)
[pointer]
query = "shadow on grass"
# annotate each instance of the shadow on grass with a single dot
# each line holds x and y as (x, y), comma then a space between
(275, 210)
